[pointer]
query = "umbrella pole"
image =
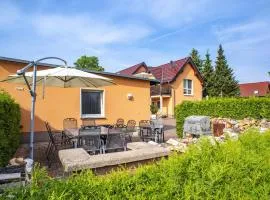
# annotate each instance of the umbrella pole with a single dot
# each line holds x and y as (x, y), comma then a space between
(32, 122)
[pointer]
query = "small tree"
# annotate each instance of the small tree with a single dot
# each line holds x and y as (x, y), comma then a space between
(208, 75)
(153, 109)
(88, 62)
(196, 58)
(225, 84)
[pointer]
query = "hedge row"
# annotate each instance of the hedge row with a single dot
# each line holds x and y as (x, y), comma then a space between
(236, 108)
(232, 170)
(9, 127)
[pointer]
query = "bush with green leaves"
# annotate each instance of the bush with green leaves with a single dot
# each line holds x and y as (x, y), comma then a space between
(235, 108)
(9, 127)
(153, 109)
(231, 170)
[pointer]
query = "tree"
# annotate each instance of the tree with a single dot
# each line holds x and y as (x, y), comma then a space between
(196, 58)
(208, 75)
(225, 84)
(88, 62)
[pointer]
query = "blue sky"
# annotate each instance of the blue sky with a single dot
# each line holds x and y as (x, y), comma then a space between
(125, 32)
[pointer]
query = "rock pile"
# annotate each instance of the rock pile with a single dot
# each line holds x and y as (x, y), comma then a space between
(232, 129)
(238, 126)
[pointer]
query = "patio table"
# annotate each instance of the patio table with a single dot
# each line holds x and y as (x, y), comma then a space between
(74, 133)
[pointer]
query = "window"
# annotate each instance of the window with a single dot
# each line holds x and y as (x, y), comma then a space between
(92, 105)
(188, 89)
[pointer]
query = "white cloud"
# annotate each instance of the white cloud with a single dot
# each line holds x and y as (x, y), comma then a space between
(83, 28)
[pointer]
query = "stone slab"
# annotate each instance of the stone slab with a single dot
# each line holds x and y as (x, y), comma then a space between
(76, 159)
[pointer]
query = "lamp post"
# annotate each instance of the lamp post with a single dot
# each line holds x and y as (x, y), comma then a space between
(32, 91)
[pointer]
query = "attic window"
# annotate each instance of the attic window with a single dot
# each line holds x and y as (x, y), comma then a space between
(188, 87)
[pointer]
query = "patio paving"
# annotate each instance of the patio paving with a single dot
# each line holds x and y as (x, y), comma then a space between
(56, 168)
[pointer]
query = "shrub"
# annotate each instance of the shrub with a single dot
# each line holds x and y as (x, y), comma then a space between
(153, 109)
(236, 108)
(9, 127)
(232, 170)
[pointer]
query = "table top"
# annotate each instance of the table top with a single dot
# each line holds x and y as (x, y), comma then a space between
(74, 132)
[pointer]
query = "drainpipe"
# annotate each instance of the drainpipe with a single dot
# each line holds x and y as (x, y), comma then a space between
(160, 92)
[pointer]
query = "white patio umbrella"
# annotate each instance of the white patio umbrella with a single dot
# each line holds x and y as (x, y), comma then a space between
(58, 77)
(64, 77)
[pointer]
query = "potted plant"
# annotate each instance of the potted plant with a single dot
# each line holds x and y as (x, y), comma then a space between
(154, 110)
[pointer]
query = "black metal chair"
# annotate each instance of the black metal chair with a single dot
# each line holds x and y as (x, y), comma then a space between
(90, 139)
(56, 142)
(158, 128)
(115, 140)
(146, 131)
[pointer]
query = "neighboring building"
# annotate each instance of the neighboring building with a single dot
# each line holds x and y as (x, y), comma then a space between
(58, 103)
(259, 89)
(180, 80)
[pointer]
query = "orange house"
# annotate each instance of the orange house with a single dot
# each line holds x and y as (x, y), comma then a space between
(179, 80)
(129, 98)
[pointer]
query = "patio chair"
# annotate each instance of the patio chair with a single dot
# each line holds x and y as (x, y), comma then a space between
(90, 140)
(158, 128)
(69, 123)
(88, 122)
(115, 141)
(120, 123)
(129, 130)
(146, 132)
(56, 142)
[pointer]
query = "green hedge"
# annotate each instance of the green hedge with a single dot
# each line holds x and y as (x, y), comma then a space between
(9, 127)
(232, 170)
(236, 108)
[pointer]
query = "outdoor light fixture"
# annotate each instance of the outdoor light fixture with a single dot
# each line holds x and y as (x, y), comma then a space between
(130, 96)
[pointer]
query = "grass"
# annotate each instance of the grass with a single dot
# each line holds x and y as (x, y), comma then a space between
(231, 170)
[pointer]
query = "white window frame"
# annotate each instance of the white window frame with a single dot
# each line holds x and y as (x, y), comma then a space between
(191, 94)
(102, 115)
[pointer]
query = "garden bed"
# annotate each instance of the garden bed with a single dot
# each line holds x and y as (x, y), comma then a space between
(231, 170)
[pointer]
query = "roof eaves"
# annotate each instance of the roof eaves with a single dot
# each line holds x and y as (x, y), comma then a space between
(27, 62)
(95, 72)
(120, 75)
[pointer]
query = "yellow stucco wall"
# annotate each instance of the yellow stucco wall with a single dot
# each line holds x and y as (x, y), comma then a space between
(188, 73)
(60, 103)
(177, 95)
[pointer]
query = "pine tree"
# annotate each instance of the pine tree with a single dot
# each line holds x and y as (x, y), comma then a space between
(196, 58)
(225, 84)
(208, 75)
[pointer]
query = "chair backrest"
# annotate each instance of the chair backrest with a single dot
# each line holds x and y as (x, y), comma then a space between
(120, 122)
(90, 138)
(70, 123)
(144, 123)
(49, 130)
(131, 125)
(157, 123)
(114, 140)
(88, 122)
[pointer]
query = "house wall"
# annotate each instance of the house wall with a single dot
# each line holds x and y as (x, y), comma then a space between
(60, 103)
(188, 73)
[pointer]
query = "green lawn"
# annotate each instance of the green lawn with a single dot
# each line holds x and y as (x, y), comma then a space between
(232, 170)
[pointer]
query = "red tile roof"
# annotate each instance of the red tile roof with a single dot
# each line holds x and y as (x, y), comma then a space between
(167, 72)
(131, 70)
(164, 73)
(248, 89)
